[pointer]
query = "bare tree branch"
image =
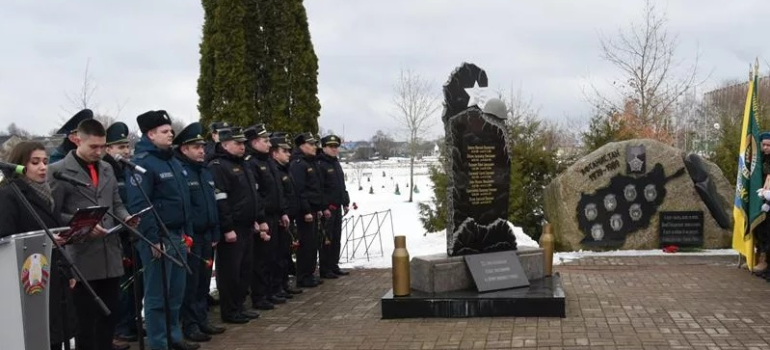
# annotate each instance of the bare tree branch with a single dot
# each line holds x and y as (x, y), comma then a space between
(645, 54)
(416, 105)
(82, 98)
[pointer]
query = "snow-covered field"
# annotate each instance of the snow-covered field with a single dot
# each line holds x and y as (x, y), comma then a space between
(403, 218)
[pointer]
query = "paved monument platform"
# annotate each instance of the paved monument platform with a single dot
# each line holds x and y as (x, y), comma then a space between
(630, 303)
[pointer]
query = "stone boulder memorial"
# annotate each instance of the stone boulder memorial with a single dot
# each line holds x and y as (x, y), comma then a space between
(639, 194)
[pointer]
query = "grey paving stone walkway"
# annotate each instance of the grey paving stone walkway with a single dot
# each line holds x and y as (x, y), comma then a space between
(671, 302)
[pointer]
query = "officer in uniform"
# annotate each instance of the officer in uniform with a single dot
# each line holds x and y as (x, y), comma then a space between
(310, 201)
(265, 286)
(68, 130)
(209, 150)
(239, 207)
(165, 182)
(335, 200)
(211, 144)
(117, 144)
(280, 154)
(189, 150)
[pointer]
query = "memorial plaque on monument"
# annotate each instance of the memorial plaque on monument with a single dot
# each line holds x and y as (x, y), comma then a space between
(478, 167)
(496, 271)
(681, 228)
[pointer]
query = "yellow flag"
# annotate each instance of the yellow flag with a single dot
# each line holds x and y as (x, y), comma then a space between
(747, 212)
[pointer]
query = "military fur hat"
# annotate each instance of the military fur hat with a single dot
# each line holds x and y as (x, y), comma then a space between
(152, 119)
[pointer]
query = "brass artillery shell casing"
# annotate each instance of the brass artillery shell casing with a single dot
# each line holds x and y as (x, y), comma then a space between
(547, 243)
(401, 278)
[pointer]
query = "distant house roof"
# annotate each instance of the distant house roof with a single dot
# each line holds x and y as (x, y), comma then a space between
(4, 138)
(351, 145)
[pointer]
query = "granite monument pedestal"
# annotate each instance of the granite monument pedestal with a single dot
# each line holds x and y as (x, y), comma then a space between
(440, 273)
(442, 286)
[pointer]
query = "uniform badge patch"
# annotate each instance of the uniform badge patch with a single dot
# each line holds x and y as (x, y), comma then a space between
(135, 180)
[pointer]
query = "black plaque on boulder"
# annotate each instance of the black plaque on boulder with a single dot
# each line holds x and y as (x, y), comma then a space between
(478, 168)
(681, 228)
(496, 271)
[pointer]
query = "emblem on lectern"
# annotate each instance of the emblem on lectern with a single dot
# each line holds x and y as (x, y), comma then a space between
(35, 273)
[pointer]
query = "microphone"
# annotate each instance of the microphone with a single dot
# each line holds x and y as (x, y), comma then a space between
(58, 175)
(130, 164)
(13, 168)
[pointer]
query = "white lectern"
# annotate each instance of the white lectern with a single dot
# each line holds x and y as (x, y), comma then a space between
(25, 268)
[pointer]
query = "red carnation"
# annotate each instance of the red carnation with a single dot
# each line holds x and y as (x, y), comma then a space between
(187, 241)
(671, 249)
(127, 262)
(209, 263)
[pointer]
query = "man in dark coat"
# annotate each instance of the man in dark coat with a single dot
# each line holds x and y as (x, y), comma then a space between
(265, 286)
(240, 210)
(165, 183)
(310, 201)
(68, 130)
(100, 257)
(335, 200)
(280, 155)
(125, 330)
(205, 235)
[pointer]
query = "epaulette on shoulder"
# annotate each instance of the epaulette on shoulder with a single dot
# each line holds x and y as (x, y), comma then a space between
(247, 157)
(215, 161)
(140, 155)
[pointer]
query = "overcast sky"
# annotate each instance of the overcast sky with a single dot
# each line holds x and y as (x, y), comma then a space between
(144, 54)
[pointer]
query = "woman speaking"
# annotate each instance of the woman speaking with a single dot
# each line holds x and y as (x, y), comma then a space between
(14, 219)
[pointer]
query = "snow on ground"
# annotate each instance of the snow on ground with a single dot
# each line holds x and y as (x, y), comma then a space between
(564, 257)
(404, 217)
